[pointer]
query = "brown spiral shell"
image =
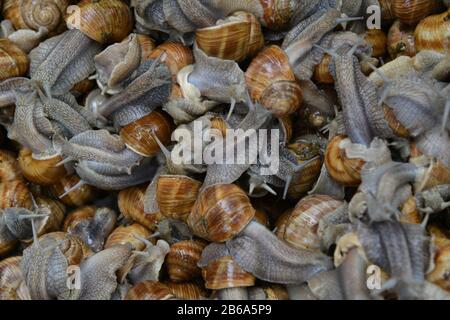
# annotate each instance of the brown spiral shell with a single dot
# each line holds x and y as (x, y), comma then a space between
(78, 197)
(176, 195)
(400, 40)
(187, 290)
(342, 169)
(105, 21)
(33, 14)
(439, 275)
(277, 14)
(300, 227)
(149, 290)
(272, 82)
(9, 168)
(43, 172)
(174, 55)
(138, 135)
(147, 45)
(378, 40)
(76, 216)
(131, 205)
(182, 259)
(126, 235)
(15, 194)
(399, 129)
(72, 247)
(220, 212)
(54, 221)
(10, 278)
(226, 273)
(83, 87)
(13, 61)
(236, 38)
(412, 11)
(433, 33)
(322, 72)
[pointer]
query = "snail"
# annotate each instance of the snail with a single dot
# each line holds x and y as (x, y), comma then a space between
(432, 33)
(14, 61)
(25, 39)
(401, 40)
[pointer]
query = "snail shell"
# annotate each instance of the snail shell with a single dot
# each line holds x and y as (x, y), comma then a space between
(10, 278)
(322, 72)
(187, 290)
(176, 195)
(220, 212)
(9, 168)
(131, 205)
(76, 216)
(341, 168)
(378, 40)
(182, 259)
(225, 273)
(149, 290)
(138, 137)
(272, 83)
(174, 55)
(126, 235)
(44, 172)
(83, 87)
(54, 221)
(15, 194)
(77, 197)
(439, 275)
(300, 227)
(412, 11)
(236, 38)
(33, 14)
(400, 40)
(104, 21)
(13, 61)
(433, 33)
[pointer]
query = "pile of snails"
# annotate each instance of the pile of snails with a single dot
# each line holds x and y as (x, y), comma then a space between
(93, 205)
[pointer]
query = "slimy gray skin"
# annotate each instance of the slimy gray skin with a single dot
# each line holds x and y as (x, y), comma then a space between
(344, 69)
(140, 174)
(237, 293)
(151, 88)
(60, 62)
(282, 263)
(352, 276)
(7, 88)
(400, 249)
(99, 146)
(435, 143)
(128, 115)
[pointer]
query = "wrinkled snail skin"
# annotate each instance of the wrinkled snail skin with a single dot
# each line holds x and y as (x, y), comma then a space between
(286, 265)
(62, 61)
(238, 293)
(400, 249)
(151, 88)
(352, 276)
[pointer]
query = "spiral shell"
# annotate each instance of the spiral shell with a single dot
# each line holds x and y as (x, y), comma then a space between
(272, 83)
(131, 205)
(412, 11)
(322, 72)
(78, 197)
(433, 33)
(400, 41)
(105, 21)
(76, 216)
(44, 172)
(83, 87)
(378, 40)
(397, 128)
(182, 259)
(126, 235)
(54, 221)
(9, 168)
(149, 290)
(439, 275)
(342, 169)
(147, 46)
(300, 229)
(174, 55)
(236, 38)
(33, 14)
(15, 194)
(220, 212)
(13, 61)
(277, 14)
(138, 135)
(71, 246)
(176, 195)
(187, 290)
(225, 273)
(10, 278)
